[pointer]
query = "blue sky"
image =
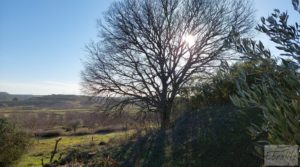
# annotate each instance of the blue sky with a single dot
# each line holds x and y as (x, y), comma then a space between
(42, 41)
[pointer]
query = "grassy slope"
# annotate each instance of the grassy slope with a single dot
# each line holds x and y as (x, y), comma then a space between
(42, 148)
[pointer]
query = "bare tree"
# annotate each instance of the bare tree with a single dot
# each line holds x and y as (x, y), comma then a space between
(149, 49)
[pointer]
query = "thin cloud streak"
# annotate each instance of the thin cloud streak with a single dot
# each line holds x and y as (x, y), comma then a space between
(40, 88)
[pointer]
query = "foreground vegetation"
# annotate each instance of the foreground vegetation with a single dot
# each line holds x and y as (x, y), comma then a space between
(224, 121)
(13, 142)
(42, 148)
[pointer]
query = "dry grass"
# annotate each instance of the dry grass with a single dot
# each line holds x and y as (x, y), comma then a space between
(41, 148)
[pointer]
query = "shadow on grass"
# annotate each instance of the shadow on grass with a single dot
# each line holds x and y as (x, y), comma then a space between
(210, 137)
(148, 151)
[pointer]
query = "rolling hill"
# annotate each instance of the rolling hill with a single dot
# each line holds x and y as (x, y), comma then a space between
(4, 96)
(47, 101)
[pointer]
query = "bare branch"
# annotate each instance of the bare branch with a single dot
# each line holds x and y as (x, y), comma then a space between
(145, 56)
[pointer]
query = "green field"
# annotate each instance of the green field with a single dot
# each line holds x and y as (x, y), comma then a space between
(42, 148)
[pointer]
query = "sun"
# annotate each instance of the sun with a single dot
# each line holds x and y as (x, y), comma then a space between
(190, 40)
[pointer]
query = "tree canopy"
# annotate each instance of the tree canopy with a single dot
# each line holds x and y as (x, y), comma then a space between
(148, 50)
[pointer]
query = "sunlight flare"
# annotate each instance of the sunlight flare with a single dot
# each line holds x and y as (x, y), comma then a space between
(190, 40)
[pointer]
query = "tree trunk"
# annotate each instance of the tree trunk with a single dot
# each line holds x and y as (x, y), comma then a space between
(165, 123)
(165, 107)
(165, 118)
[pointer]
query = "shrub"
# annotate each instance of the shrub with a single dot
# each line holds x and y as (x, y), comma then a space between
(13, 142)
(220, 87)
(50, 133)
(278, 98)
(82, 132)
(109, 130)
(104, 131)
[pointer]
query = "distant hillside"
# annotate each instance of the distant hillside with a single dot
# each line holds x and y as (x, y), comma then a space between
(10, 97)
(48, 101)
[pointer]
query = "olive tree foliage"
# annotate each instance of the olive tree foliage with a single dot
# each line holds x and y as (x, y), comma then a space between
(149, 49)
(286, 36)
(276, 93)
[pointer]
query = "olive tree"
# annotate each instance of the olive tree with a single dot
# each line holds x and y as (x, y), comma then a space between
(277, 92)
(149, 49)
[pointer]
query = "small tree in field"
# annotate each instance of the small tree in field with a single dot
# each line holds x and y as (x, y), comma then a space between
(149, 49)
(74, 125)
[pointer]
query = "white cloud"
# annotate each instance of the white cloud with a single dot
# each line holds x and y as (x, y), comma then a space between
(40, 88)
